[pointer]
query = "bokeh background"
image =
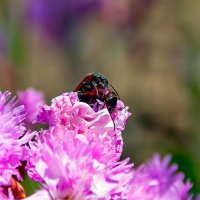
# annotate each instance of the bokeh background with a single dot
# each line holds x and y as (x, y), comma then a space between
(148, 49)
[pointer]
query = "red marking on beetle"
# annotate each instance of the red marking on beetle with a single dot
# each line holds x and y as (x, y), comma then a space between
(95, 86)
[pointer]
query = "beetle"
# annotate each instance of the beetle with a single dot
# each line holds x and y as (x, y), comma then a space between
(94, 87)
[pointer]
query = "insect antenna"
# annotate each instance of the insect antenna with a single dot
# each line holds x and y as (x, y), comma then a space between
(117, 96)
(114, 90)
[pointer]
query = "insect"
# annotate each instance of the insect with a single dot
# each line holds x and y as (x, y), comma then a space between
(94, 87)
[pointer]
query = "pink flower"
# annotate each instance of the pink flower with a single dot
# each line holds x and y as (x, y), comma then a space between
(32, 100)
(11, 118)
(40, 194)
(156, 180)
(74, 167)
(68, 112)
(12, 138)
(4, 196)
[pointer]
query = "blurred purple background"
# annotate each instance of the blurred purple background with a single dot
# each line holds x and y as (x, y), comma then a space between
(148, 49)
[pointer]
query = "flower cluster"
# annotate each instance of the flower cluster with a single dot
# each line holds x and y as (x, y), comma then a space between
(78, 155)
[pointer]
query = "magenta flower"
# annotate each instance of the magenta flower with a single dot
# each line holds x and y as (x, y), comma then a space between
(12, 143)
(32, 100)
(11, 117)
(157, 180)
(120, 115)
(73, 167)
(68, 112)
(4, 196)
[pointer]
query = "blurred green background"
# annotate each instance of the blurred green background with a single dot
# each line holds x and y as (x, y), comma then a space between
(148, 49)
